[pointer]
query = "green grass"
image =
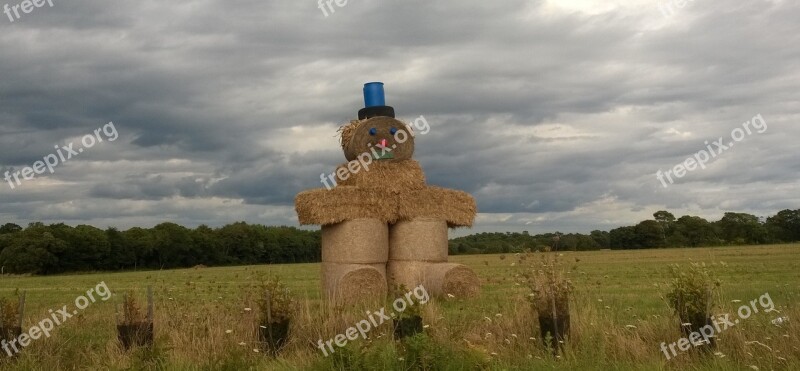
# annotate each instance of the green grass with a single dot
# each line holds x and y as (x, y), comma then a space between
(195, 309)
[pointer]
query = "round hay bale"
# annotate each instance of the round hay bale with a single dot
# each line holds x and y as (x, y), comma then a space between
(407, 273)
(359, 137)
(353, 283)
(452, 279)
(439, 279)
(421, 239)
(356, 241)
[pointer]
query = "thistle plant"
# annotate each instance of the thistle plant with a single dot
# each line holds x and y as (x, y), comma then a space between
(412, 310)
(131, 311)
(275, 301)
(9, 311)
(692, 290)
(550, 288)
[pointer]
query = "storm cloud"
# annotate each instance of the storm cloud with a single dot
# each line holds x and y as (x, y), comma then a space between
(555, 115)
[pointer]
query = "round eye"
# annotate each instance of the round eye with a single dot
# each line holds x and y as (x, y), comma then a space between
(373, 131)
(393, 131)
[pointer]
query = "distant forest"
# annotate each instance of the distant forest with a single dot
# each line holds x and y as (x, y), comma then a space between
(664, 230)
(59, 248)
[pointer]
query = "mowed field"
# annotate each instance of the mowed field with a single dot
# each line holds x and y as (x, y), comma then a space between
(204, 318)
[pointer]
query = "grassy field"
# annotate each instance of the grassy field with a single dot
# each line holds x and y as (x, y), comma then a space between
(619, 318)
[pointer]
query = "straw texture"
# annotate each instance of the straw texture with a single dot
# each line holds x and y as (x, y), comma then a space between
(323, 207)
(439, 279)
(387, 175)
(456, 207)
(350, 283)
(422, 239)
(356, 241)
(407, 273)
(357, 139)
(457, 280)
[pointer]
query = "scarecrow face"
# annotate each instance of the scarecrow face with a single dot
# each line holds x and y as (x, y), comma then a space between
(383, 138)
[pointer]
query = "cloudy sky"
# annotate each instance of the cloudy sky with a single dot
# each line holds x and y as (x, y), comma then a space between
(554, 114)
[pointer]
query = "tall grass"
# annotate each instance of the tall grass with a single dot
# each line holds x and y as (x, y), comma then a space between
(206, 320)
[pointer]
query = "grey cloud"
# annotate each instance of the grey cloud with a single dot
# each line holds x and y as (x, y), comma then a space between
(556, 119)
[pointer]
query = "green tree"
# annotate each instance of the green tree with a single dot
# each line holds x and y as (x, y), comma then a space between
(623, 238)
(31, 253)
(650, 234)
(120, 256)
(785, 225)
(667, 221)
(696, 231)
(741, 228)
(10, 228)
(207, 246)
(601, 238)
(141, 244)
(173, 246)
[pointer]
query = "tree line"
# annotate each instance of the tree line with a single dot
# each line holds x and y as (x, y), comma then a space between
(59, 248)
(664, 230)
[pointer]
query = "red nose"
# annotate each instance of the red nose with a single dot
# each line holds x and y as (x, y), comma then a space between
(384, 143)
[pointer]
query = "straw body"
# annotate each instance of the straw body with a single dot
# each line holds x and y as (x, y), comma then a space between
(363, 241)
(423, 239)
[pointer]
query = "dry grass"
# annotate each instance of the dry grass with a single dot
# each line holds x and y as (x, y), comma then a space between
(618, 317)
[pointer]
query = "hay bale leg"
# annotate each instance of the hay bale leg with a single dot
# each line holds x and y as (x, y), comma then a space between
(451, 279)
(354, 283)
(360, 241)
(354, 255)
(439, 279)
(409, 274)
(420, 239)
